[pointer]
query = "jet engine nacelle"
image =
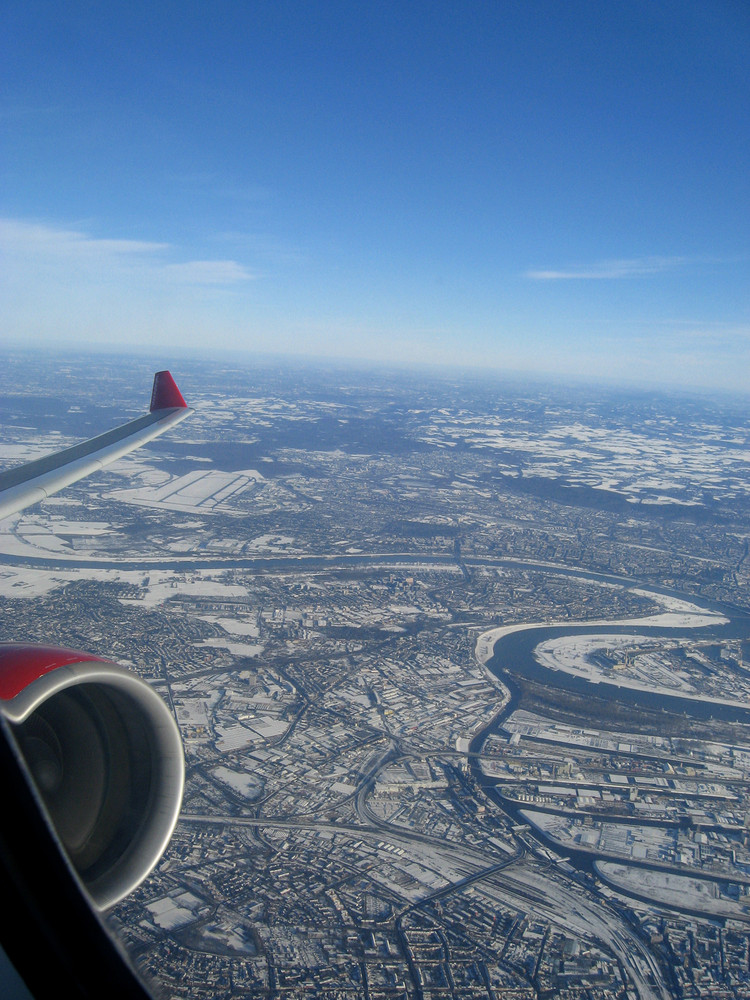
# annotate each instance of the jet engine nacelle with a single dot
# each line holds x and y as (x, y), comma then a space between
(105, 756)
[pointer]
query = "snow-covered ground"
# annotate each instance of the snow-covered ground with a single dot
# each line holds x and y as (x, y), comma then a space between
(171, 913)
(246, 785)
(703, 895)
(203, 490)
(163, 584)
(235, 648)
(642, 672)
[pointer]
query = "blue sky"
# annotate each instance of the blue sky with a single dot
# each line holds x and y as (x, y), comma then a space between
(545, 186)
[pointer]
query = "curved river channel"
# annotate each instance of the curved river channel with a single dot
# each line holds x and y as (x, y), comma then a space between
(509, 655)
(513, 655)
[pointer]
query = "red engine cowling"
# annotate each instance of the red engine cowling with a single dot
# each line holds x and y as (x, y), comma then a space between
(106, 758)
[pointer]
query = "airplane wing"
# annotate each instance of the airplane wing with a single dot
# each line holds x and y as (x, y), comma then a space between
(52, 845)
(28, 484)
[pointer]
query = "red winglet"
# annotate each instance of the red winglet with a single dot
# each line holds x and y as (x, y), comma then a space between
(165, 394)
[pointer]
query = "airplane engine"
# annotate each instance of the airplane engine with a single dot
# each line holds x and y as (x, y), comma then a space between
(106, 760)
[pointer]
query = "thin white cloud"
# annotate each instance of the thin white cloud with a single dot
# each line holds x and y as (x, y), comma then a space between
(61, 283)
(26, 245)
(209, 272)
(634, 267)
(20, 237)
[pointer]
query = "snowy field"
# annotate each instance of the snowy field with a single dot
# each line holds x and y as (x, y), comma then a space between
(702, 895)
(205, 491)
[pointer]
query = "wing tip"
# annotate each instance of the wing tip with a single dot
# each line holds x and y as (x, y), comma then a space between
(165, 394)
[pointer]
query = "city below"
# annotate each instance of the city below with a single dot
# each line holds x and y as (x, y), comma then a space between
(461, 668)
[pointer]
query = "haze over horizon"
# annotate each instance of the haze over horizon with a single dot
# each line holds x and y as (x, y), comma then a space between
(558, 189)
